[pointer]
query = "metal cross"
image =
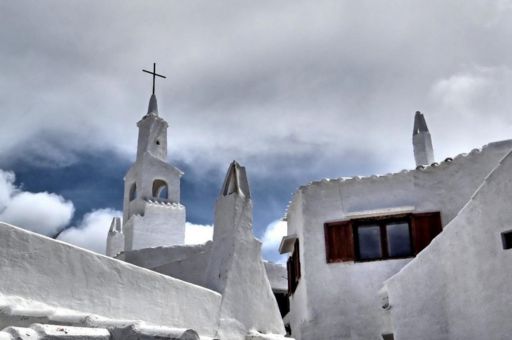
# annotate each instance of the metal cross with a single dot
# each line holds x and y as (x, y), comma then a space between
(154, 75)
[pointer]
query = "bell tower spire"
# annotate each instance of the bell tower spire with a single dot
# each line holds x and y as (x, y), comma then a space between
(152, 128)
(153, 105)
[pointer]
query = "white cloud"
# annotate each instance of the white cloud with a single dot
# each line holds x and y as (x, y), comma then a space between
(271, 240)
(459, 91)
(197, 233)
(91, 232)
(472, 104)
(7, 187)
(42, 212)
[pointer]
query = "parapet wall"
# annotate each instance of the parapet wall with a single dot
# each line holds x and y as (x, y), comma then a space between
(61, 275)
(184, 262)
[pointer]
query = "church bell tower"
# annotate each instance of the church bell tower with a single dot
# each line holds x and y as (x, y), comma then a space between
(152, 213)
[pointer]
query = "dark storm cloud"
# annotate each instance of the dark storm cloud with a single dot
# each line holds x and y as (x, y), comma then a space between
(243, 77)
(294, 90)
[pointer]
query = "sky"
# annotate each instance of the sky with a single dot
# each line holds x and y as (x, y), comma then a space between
(293, 90)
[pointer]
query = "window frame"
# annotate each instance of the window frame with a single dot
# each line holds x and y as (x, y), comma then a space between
(382, 222)
(340, 243)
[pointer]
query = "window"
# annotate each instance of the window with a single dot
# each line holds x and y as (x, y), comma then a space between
(160, 189)
(293, 266)
(506, 239)
(368, 241)
(380, 238)
(398, 236)
(133, 192)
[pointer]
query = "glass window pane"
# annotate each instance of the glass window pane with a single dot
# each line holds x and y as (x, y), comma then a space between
(369, 242)
(399, 240)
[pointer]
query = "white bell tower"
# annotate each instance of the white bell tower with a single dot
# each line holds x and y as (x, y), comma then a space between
(152, 213)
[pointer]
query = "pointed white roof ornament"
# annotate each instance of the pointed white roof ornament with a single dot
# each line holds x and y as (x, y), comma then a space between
(236, 181)
(422, 141)
(420, 125)
(115, 226)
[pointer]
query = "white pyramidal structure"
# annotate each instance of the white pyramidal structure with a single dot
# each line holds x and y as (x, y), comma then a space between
(422, 141)
(235, 268)
(152, 213)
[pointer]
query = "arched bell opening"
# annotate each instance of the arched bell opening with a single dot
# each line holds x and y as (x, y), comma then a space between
(160, 189)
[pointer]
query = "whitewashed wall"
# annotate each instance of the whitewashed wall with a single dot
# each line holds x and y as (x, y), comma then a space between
(61, 275)
(459, 287)
(161, 225)
(235, 269)
(341, 301)
(299, 311)
(185, 262)
(277, 276)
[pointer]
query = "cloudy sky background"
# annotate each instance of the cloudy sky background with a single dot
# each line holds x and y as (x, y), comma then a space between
(293, 90)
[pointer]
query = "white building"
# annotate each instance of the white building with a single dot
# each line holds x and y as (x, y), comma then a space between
(420, 254)
(362, 265)
(154, 231)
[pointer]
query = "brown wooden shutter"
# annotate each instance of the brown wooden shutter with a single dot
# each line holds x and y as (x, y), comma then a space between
(339, 242)
(293, 267)
(296, 260)
(290, 275)
(425, 227)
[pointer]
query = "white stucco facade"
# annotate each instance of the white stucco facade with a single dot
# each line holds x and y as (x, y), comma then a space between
(341, 300)
(458, 287)
(235, 268)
